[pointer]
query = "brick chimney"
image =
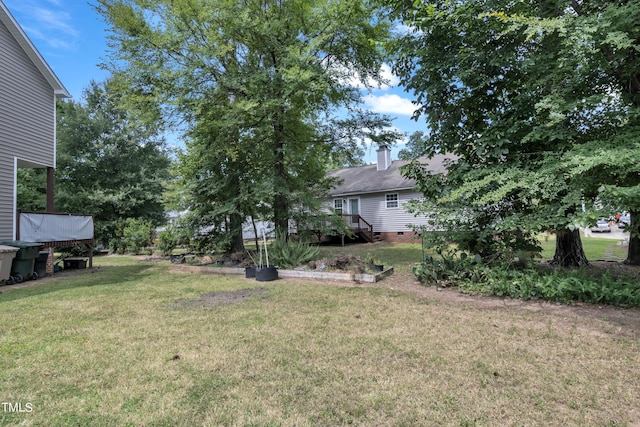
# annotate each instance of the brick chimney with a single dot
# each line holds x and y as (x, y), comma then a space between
(384, 158)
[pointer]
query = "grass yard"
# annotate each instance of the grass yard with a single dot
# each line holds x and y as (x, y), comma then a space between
(595, 248)
(132, 344)
(403, 255)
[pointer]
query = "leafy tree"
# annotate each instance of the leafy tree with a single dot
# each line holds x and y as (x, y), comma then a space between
(264, 88)
(532, 97)
(610, 42)
(109, 164)
(32, 189)
(137, 234)
(415, 146)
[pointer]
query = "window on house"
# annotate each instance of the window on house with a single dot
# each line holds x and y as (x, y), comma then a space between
(392, 200)
(337, 205)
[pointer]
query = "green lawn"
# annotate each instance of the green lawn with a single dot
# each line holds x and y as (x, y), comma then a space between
(125, 346)
(594, 248)
(403, 255)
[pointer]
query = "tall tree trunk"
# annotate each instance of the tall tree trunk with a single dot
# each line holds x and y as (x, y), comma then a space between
(256, 238)
(280, 200)
(235, 225)
(569, 252)
(281, 215)
(633, 255)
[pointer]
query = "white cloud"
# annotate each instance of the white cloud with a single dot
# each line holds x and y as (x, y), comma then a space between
(57, 21)
(390, 104)
(353, 80)
(390, 79)
(47, 22)
(404, 30)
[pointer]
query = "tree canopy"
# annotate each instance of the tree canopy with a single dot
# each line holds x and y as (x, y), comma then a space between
(268, 91)
(31, 189)
(540, 102)
(109, 164)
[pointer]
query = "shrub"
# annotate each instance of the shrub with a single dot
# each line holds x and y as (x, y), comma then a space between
(71, 251)
(515, 274)
(288, 254)
(450, 268)
(167, 241)
(564, 286)
(116, 246)
(137, 234)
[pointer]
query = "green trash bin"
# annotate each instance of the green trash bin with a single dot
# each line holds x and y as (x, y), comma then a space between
(25, 260)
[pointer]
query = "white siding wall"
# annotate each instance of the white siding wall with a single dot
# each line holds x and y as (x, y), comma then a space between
(6, 197)
(374, 210)
(27, 122)
(385, 220)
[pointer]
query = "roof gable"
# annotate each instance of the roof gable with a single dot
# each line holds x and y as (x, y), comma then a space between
(368, 179)
(32, 53)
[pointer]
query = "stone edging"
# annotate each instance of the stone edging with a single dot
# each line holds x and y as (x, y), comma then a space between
(350, 277)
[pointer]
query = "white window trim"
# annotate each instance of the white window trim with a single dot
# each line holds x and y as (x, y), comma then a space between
(341, 205)
(397, 201)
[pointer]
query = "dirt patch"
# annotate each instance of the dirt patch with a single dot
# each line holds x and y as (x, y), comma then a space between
(216, 299)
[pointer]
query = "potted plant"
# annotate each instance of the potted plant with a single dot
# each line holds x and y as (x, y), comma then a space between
(377, 264)
(265, 273)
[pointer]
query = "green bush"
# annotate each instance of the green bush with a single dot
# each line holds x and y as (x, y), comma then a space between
(137, 234)
(288, 254)
(449, 268)
(116, 246)
(73, 251)
(564, 286)
(167, 241)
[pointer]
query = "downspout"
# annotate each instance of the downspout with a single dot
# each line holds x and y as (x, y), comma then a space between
(50, 207)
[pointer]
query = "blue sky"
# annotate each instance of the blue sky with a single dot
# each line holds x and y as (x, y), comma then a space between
(71, 37)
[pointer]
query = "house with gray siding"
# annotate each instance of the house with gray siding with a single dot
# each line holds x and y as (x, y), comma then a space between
(28, 93)
(373, 197)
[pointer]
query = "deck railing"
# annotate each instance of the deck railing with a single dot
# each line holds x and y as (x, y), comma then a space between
(335, 224)
(359, 225)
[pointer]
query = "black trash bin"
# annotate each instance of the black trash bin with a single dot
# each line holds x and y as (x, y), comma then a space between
(40, 267)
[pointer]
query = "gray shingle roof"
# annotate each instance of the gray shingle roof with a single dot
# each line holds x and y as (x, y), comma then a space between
(367, 179)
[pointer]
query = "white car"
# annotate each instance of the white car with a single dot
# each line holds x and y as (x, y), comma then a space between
(602, 226)
(624, 221)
